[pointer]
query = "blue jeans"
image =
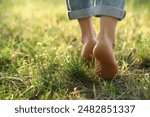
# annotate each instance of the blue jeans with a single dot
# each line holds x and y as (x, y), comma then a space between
(78, 9)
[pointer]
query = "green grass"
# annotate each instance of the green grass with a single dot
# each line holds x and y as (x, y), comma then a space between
(40, 49)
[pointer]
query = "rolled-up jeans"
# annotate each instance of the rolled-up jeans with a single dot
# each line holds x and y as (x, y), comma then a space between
(78, 9)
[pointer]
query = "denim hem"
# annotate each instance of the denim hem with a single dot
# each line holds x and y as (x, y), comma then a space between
(83, 13)
(104, 10)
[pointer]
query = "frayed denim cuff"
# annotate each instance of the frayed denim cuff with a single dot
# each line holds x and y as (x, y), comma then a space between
(103, 10)
(80, 14)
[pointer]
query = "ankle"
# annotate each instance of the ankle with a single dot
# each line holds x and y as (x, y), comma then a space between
(107, 38)
(88, 38)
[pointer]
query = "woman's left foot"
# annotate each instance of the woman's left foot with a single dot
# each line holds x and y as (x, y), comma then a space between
(87, 49)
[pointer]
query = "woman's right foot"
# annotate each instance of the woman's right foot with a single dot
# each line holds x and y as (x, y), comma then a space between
(104, 54)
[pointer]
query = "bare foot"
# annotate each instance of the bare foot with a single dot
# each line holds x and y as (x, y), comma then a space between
(104, 53)
(87, 49)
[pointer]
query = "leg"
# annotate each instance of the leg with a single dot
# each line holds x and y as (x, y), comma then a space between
(110, 12)
(83, 10)
(103, 51)
(88, 38)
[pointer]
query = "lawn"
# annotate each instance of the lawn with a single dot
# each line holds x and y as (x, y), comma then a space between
(40, 49)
